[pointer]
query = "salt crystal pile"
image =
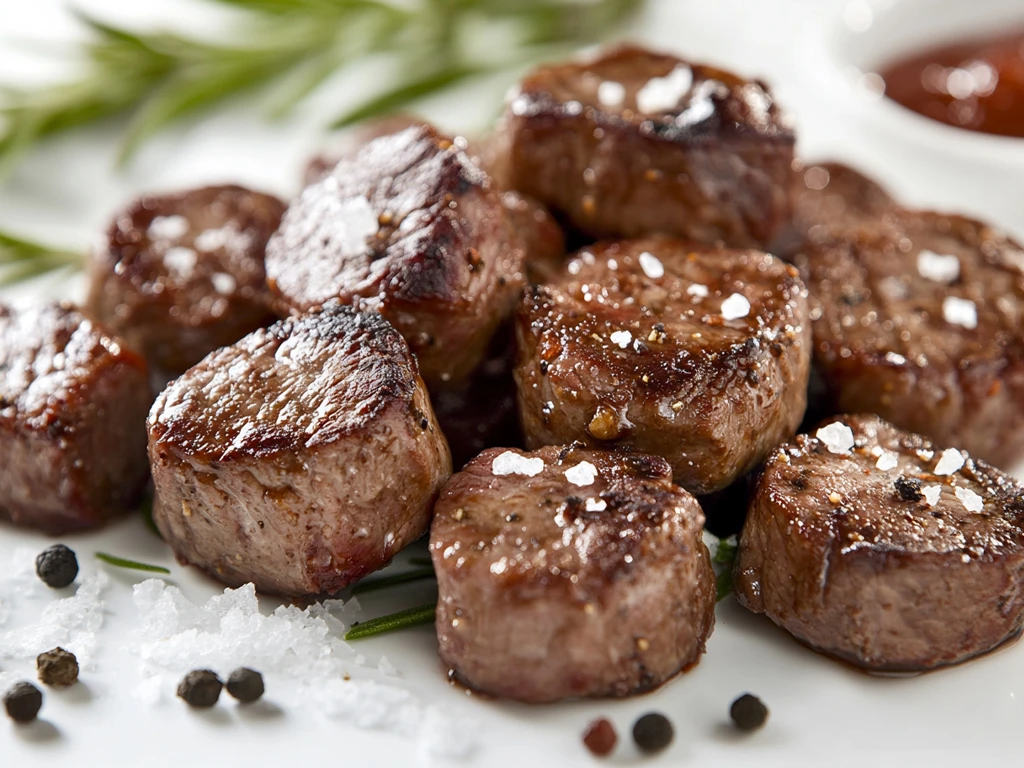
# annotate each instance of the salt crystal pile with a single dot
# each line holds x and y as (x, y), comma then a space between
(583, 474)
(300, 654)
(735, 307)
(663, 94)
(972, 502)
(950, 462)
(70, 622)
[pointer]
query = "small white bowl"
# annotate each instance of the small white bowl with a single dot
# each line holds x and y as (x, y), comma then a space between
(926, 162)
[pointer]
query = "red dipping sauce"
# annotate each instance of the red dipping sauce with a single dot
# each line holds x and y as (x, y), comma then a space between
(975, 85)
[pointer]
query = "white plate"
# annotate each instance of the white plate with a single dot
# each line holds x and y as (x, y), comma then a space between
(822, 712)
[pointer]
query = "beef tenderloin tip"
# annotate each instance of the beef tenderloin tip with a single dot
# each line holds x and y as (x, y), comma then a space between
(568, 572)
(700, 355)
(634, 142)
(73, 403)
(301, 458)
(876, 546)
(182, 274)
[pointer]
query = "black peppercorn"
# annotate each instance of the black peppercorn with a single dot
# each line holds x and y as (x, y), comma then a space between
(748, 712)
(23, 702)
(909, 488)
(245, 684)
(58, 668)
(200, 688)
(57, 566)
(652, 732)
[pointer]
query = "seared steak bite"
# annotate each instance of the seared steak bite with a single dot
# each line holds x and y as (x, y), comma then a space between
(876, 546)
(73, 402)
(182, 274)
(636, 143)
(920, 319)
(411, 227)
(568, 572)
(828, 195)
(301, 458)
(694, 354)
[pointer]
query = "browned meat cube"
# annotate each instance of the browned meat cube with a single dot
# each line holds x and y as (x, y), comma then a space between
(876, 546)
(569, 572)
(696, 354)
(73, 402)
(636, 143)
(409, 226)
(183, 274)
(301, 458)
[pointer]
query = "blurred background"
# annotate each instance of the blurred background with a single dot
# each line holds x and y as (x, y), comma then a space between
(105, 98)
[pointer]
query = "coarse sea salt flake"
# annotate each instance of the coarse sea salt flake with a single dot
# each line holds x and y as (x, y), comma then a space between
(663, 94)
(887, 461)
(596, 505)
(931, 494)
(950, 462)
(972, 502)
(511, 463)
(735, 307)
(180, 260)
(937, 267)
(962, 312)
(622, 338)
(651, 265)
(167, 227)
(611, 93)
(583, 474)
(697, 290)
(837, 437)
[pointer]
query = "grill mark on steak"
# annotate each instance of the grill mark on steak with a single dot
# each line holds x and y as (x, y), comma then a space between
(871, 565)
(549, 589)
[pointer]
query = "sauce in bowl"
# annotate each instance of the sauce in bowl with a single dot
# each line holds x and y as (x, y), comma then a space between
(975, 85)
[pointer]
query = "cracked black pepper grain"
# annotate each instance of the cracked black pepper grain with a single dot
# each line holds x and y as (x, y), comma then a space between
(200, 688)
(245, 684)
(58, 668)
(909, 488)
(57, 566)
(653, 732)
(748, 712)
(23, 702)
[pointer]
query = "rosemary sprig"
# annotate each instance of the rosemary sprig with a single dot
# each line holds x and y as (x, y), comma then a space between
(725, 556)
(156, 77)
(121, 562)
(21, 259)
(411, 617)
(372, 585)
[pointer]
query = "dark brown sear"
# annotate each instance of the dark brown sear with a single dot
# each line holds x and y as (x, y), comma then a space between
(636, 143)
(568, 572)
(182, 274)
(73, 402)
(919, 318)
(301, 458)
(411, 227)
(876, 546)
(695, 354)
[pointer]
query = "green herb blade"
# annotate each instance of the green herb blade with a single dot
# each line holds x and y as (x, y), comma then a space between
(372, 585)
(403, 94)
(393, 622)
(121, 562)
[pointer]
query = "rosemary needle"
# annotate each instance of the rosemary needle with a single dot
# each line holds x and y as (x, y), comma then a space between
(121, 562)
(372, 585)
(411, 617)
